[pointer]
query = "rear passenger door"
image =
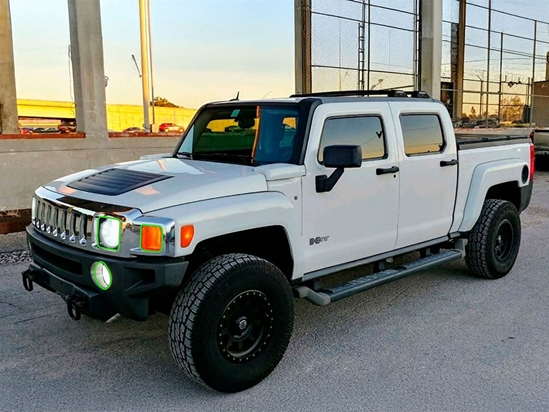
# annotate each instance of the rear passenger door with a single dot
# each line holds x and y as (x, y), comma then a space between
(428, 173)
(358, 217)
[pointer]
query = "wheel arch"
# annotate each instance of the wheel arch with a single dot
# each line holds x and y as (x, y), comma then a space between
(270, 243)
(494, 180)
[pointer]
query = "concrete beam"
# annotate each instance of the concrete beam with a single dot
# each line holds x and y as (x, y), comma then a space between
(8, 97)
(88, 68)
(431, 46)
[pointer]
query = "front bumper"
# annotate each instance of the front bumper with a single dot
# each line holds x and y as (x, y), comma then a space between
(136, 281)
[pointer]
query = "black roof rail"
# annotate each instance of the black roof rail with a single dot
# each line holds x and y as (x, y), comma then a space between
(387, 92)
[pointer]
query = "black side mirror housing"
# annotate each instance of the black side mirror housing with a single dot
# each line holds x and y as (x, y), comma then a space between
(342, 156)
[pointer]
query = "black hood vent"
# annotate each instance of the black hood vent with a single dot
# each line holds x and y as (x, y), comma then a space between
(113, 182)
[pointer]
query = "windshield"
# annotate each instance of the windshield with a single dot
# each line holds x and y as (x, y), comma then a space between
(246, 134)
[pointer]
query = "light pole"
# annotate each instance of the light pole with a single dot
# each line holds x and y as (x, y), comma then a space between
(143, 13)
(151, 64)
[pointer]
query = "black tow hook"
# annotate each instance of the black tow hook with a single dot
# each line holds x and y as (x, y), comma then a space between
(74, 306)
(28, 278)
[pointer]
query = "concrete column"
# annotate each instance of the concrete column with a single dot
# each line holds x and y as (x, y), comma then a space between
(88, 68)
(431, 46)
(302, 20)
(8, 98)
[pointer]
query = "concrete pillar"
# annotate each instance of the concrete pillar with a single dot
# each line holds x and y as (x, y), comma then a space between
(302, 20)
(8, 98)
(431, 46)
(88, 68)
(460, 69)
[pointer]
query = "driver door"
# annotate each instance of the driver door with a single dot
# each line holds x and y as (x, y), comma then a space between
(358, 218)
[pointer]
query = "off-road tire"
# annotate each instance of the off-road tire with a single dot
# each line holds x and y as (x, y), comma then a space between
(495, 240)
(196, 322)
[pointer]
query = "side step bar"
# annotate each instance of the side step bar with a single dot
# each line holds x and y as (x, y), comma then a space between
(325, 297)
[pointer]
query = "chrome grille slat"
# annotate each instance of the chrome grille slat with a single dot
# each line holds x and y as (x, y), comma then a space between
(41, 206)
(49, 218)
(82, 232)
(64, 228)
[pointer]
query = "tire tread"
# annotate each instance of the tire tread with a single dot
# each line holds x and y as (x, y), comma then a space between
(186, 306)
(477, 248)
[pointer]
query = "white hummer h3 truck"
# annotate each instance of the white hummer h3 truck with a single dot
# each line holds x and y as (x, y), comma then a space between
(262, 201)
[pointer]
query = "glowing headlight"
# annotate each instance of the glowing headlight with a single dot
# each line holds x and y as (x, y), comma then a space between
(101, 275)
(109, 232)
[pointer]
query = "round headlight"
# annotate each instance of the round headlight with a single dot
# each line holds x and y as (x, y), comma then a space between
(101, 275)
(109, 232)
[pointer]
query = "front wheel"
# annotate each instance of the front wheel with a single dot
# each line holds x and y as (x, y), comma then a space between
(495, 240)
(231, 322)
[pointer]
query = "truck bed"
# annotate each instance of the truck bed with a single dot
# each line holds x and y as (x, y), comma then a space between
(476, 141)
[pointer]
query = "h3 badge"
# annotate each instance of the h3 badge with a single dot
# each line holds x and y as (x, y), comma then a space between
(317, 240)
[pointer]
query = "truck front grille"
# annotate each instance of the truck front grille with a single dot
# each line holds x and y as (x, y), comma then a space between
(65, 223)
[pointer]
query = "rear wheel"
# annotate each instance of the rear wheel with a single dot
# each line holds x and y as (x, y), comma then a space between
(231, 322)
(495, 240)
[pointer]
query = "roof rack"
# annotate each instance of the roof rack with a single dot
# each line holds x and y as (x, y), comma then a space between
(387, 92)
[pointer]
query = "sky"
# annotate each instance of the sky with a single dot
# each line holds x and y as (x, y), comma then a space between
(203, 50)
(206, 50)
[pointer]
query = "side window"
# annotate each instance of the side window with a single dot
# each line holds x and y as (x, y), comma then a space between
(365, 131)
(422, 134)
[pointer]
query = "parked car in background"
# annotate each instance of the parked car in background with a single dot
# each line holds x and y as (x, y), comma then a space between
(540, 139)
(170, 127)
(67, 126)
(133, 130)
(25, 130)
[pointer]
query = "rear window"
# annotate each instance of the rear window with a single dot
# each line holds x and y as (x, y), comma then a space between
(422, 134)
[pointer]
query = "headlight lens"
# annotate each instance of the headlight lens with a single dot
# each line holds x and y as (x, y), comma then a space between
(109, 233)
(101, 275)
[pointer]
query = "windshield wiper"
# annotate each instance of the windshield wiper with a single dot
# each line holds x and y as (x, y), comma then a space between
(246, 159)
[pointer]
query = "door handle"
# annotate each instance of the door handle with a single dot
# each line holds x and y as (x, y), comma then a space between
(452, 162)
(393, 169)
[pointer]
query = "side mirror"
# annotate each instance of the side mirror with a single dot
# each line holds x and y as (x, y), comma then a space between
(342, 156)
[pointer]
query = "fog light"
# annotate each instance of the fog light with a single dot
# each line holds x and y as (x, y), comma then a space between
(101, 275)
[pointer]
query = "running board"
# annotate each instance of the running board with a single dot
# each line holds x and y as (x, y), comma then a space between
(327, 296)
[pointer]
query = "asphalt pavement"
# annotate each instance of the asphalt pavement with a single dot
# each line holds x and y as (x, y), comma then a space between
(440, 340)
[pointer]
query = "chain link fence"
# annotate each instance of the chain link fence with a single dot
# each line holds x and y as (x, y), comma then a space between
(504, 65)
(363, 44)
(495, 74)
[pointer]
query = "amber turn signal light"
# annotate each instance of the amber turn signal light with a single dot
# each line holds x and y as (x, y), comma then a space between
(151, 238)
(187, 234)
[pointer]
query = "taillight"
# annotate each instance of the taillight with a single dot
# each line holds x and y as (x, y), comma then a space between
(532, 136)
(532, 161)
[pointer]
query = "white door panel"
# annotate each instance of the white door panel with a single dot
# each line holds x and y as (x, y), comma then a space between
(427, 189)
(358, 217)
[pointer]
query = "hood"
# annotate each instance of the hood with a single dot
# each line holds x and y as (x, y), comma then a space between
(160, 183)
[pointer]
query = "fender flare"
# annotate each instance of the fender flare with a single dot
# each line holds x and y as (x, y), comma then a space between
(486, 176)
